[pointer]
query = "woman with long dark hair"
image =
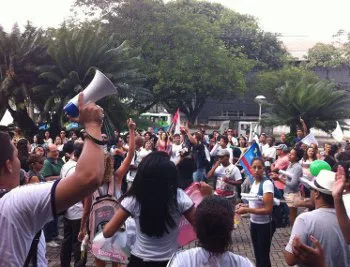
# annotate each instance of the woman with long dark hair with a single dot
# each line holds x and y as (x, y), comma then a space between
(262, 227)
(157, 204)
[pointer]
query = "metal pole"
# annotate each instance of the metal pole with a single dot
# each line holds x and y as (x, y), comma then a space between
(259, 112)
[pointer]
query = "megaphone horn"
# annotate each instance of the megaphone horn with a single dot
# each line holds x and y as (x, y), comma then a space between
(99, 87)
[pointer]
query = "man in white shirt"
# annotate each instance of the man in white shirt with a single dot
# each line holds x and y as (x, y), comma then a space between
(175, 149)
(232, 140)
(320, 223)
(73, 215)
(221, 145)
(262, 141)
(227, 175)
(24, 210)
(269, 151)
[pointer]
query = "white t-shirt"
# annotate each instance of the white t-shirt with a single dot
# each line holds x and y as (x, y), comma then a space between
(199, 257)
(223, 188)
(135, 161)
(267, 188)
(269, 151)
(234, 141)
(156, 248)
(143, 153)
(322, 223)
(23, 212)
(215, 150)
(175, 153)
(75, 212)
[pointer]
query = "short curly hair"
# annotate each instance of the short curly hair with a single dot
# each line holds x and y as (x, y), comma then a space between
(214, 224)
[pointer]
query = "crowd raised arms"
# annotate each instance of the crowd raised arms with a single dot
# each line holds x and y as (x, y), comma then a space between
(139, 180)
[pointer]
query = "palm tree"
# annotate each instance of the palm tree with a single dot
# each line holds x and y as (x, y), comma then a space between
(76, 53)
(20, 53)
(320, 104)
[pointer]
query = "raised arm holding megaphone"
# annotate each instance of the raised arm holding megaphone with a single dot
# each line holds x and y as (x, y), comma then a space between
(99, 87)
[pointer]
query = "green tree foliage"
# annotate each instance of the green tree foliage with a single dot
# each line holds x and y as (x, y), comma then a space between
(319, 103)
(75, 54)
(192, 50)
(240, 33)
(20, 53)
(325, 56)
(266, 82)
(195, 66)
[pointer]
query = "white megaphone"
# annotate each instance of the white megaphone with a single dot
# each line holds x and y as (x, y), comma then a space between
(99, 87)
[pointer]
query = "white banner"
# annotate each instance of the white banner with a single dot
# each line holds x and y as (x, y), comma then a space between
(309, 139)
(338, 133)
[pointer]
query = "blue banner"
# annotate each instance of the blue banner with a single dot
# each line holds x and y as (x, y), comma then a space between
(246, 160)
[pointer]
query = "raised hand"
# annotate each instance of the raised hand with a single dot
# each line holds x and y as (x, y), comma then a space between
(339, 184)
(89, 114)
(131, 124)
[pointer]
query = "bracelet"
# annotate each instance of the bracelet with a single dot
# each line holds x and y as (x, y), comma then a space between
(93, 139)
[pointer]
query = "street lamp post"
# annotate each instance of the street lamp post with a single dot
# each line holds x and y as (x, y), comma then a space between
(260, 99)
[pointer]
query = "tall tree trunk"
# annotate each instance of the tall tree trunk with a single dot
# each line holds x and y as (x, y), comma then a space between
(293, 127)
(193, 113)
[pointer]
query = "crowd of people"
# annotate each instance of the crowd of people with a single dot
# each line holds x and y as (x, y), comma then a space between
(49, 180)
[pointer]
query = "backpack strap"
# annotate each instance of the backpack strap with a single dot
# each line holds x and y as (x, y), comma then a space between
(33, 252)
(260, 190)
(110, 190)
(111, 186)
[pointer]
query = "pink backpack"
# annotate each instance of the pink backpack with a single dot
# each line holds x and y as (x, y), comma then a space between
(102, 210)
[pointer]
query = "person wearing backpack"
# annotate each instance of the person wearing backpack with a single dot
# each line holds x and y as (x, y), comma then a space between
(157, 205)
(262, 227)
(104, 199)
(24, 210)
(291, 179)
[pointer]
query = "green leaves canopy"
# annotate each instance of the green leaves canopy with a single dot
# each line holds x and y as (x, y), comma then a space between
(76, 53)
(320, 104)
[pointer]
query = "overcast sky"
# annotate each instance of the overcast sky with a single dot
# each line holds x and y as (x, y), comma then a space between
(309, 20)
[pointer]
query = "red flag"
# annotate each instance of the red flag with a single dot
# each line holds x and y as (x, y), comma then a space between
(176, 122)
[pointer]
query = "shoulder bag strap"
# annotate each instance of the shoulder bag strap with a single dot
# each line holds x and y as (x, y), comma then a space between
(33, 252)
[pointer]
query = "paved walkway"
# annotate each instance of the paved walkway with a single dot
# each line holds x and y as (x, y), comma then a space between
(241, 245)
